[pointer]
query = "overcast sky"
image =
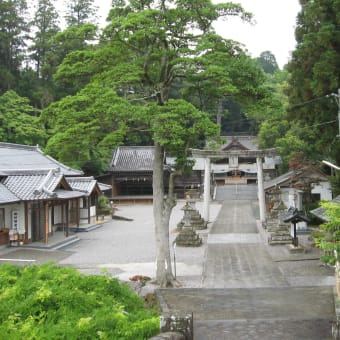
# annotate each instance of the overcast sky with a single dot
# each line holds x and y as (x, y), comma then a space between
(273, 31)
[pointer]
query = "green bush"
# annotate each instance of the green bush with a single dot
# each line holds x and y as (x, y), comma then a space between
(330, 241)
(329, 259)
(104, 206)
(317, 236)
(51, 302)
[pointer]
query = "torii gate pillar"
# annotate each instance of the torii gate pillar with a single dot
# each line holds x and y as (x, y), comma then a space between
(206, 194)
(260, 187)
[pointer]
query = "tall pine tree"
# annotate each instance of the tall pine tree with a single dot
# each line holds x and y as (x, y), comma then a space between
(315, 74)
(14, 28)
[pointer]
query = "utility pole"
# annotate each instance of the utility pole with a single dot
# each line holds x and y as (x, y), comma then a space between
(337, 99)
(338, 102)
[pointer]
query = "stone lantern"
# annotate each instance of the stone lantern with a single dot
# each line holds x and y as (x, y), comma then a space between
(294, 218)
(187, 236)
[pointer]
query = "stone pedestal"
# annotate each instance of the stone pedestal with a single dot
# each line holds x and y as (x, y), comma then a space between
(187, 237)
(280, 235)
(296, 249)
(279, 231)
(192, 217)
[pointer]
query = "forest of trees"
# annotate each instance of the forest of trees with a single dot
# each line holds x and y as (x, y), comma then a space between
(56, 83)
(158, 74)
(59, 80)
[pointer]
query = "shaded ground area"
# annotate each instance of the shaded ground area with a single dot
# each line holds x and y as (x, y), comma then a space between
(23, 256)
(258, 313)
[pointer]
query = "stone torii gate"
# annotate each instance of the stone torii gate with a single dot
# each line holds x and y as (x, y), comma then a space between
(233, 155)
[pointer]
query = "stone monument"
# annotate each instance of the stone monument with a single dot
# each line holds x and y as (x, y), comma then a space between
(279, 230)
(187, 236)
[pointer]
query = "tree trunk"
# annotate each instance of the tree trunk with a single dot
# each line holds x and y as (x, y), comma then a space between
(162, 211)
(219, 112)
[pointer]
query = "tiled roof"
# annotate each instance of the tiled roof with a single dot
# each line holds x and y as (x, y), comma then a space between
(278, 180)
(132, 158)
(6, 196)
(308, 171)
(104, 187)
(83, 184)
(14, 157)
(321, 212)
(240, 143)
(38, 185)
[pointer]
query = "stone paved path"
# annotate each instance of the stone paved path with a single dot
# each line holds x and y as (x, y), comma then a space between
(246, 293)
(258, 313)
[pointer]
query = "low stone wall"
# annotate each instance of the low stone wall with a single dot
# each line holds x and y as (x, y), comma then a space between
(169, 336)
(174, 325)
(336, 322)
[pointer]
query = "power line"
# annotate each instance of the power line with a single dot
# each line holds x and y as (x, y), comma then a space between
(306, 102)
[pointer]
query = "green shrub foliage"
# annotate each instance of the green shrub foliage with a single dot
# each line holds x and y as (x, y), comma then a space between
(51, 302)
(328, 239)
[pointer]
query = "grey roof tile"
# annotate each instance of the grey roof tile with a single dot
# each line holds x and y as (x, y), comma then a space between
(306, 171)
(33, 185)
(241, 142)
(7, 196)
(14, 157)
(104, 187)
(83, 184)
(132, 158)
(278, 180)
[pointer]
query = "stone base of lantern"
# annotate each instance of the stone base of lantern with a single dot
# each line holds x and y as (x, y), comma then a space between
(295, 249)
(187, 237)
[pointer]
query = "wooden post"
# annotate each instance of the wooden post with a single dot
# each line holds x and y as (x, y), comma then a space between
(88, 210)
(67, 218)
(78, 212)
(26, 222)
(63, 216)
(295, 239)
(46, 221)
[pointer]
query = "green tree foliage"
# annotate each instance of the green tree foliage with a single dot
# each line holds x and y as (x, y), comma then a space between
(12, 41)
(289, 146)
(80, 12)
(77, 39)
(177, 125)
(329, 239)
(314, 74)
(275, 124)
(268, 62)
(224, 79)
(50, 302)
(17, 121)
(335, 183)
(96, 118)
